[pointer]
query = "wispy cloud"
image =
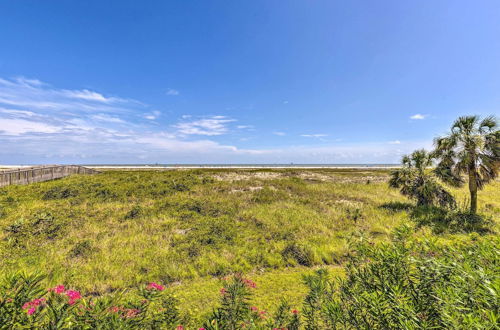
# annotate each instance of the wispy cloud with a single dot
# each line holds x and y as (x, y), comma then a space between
(418, 116)
(43, 123)
(18, 127)
(172, 92)
(314, 135)
(395, 142)
(106, 118)
(36, 95)
(209, 126)
(153, 115)
(244, 127)
(37, 119)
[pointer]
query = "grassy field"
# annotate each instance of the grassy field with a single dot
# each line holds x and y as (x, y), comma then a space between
(189, 228)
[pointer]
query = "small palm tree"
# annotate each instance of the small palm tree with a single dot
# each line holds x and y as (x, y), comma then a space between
(415, 181)
(472, 148)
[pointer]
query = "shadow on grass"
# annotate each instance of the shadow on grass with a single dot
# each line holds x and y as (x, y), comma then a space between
(442, 220)
(397, 206)
(451, 221)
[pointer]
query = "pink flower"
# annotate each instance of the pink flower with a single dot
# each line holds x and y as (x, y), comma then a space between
(201, 329)
(294, 311)
(250, 283)
(131, 313)
(114, 309)
(179, 327)
(223, 291)
(31, 306)
(156, 286)
(73, 296)
(38, 302)
(58, 289)
(254, 309)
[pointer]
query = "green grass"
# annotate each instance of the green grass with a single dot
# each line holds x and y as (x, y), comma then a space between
(189, 228)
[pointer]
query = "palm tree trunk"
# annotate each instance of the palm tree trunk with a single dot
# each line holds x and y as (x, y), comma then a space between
(473, 191)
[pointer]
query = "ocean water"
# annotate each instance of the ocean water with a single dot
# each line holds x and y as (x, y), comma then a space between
(290, 165)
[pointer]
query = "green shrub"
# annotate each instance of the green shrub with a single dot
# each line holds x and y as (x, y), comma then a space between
(38, 228)
(408, 285)
(59, 192)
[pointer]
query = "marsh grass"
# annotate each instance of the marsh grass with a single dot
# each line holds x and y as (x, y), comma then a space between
(187, 228)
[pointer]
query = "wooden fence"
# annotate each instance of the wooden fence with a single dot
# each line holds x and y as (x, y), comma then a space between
(41, 173)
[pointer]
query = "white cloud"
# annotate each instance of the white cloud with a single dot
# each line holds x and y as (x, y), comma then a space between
(21, 126)
(172, 92)
(152, 115)
(248, 127)
(395, 142)
(314, 135)
(87, 95)
(210, 126)
(45, 124)
(285, 102)
(38, 121)
(34, 95)
(18, 113)
(418, 117)
(107, 118)
(279, 133)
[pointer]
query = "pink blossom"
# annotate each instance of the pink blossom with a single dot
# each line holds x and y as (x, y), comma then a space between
(73, 296)
(179, 327)
(294, 311)
(129, 313)
(249, 283)
(58, 289)
(156, 286)
(254, 309)
(114, 309)
(223, 291)
(31, 306)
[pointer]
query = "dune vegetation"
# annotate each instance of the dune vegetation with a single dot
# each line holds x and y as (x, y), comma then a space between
(106, 235)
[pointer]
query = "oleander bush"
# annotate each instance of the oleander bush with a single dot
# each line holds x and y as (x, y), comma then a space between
(409, 284)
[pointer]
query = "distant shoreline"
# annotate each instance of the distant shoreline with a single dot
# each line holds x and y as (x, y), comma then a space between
(228, 166)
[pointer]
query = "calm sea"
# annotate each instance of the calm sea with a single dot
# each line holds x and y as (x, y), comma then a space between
(246, 165)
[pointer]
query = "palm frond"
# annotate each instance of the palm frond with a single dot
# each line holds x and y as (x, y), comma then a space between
(488, 124)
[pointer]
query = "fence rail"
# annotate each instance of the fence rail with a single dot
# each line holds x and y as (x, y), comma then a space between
(41, 173)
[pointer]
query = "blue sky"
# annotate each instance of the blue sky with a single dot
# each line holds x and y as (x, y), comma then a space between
(305, 81)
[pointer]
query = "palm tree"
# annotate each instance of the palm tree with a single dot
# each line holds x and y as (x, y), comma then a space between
(415, 181)
(472, 148)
